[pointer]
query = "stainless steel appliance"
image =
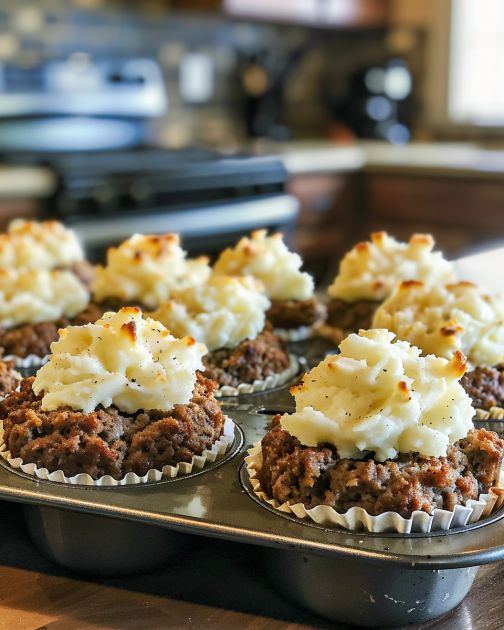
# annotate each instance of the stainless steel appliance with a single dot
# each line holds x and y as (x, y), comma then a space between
(209, 198)
(79, 104)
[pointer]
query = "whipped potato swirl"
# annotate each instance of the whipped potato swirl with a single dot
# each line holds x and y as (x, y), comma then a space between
(121, 359)
(371, 270)
(220, 313)
(379, 395)
(33, 245)
(31, 297)
(145, 269)
(442, 319)
(268, 259)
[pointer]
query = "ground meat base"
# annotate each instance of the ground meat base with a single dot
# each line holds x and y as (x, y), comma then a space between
(253, 359)
(115, 304)
(291, 314)
(108, 441)
(294, 473)
(9, 378)
(36, 339)
(485, 385)
(351, 316)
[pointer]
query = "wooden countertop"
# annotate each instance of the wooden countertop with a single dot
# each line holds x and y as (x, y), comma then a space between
(218, 585)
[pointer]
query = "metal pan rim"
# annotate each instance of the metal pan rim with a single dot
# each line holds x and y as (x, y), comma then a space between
(233, 451)
(245, 483)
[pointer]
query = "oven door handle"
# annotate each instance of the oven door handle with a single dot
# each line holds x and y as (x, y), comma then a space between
(192, 221)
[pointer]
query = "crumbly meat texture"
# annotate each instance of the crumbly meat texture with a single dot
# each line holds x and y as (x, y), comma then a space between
(351, 316)
(485, 385)
(290, 314)
(36, 339)
(252, 359)
(108, 441)
(9, 378)
(294, 473)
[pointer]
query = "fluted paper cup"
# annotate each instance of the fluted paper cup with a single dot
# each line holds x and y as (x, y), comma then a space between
(198, 462)
(357, 518)
(273, 380)
(494, 413)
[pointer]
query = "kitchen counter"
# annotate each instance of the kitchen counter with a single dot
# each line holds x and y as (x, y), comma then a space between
(312, 157)
(217, 585)
(439, 158)
(25, 181)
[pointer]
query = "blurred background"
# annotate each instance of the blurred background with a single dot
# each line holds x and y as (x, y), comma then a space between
(325, 118)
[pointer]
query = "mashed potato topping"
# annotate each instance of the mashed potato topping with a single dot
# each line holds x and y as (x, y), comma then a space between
(121, 359)
(145, 269)
(39, 296)
(381, 396)
(220, 313)
(371, 270)
(32, 245)
(268, 259)
(444, 318)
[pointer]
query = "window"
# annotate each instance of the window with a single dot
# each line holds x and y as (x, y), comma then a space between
(476, 62)
(465, 66)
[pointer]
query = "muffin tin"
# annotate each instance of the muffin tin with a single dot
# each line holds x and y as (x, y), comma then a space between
(389, 579)
(353, 577)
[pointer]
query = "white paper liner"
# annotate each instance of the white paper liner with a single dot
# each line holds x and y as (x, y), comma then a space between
(273, 380)
(32, 360)
(357, 518)
(183, 468)
(295, 334)
(494, 413)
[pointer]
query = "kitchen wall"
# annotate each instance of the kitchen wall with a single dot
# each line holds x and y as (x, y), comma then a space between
(217, 70)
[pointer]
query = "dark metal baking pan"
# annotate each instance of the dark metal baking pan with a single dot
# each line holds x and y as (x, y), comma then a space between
(403, 579)
(99, 545)
(358, 593)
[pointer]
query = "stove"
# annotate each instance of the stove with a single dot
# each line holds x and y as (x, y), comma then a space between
(209, 198)
(86, 120)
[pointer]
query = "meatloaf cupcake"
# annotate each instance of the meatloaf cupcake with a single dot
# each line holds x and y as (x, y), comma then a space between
(144, 270)
(443, 319)
(118, 396)
(294, 310)
(34, 245)
(227, 314)
(379, 429)
(33, 306)
(369, 273)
